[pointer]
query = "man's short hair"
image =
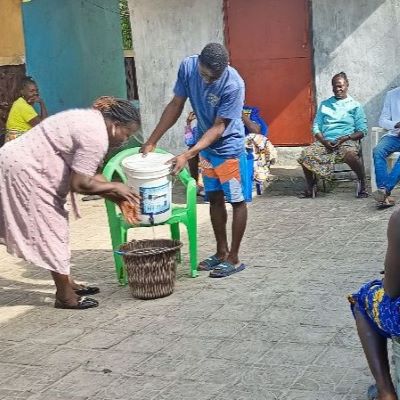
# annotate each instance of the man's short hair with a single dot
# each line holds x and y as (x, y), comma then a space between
(215, 57)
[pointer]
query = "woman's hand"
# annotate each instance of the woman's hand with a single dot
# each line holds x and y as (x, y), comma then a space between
(129, 211)
(123, 192)
(329, 145)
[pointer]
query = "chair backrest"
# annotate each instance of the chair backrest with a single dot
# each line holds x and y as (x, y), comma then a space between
(376, 133)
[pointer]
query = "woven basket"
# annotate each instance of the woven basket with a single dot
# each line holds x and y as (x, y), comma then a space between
(151, 267)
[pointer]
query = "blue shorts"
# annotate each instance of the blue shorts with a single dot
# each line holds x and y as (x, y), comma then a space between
(225, 174)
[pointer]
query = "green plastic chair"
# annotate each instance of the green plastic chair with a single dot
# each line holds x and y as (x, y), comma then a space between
(185, 214)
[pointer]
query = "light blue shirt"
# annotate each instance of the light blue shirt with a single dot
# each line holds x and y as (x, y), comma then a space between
(222, 98)
(339, 117)
(390, 114)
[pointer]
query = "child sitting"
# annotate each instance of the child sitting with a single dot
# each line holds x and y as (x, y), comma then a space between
(376, 308)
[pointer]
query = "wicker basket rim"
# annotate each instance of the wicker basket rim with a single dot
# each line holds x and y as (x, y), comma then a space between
(147, 251)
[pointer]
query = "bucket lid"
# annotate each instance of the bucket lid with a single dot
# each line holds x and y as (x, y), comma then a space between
(152, 162)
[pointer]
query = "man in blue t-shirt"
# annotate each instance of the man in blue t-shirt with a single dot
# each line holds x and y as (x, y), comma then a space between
(216, 94)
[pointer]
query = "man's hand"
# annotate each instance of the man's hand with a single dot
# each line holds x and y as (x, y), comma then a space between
(178, 163)
(147, 148)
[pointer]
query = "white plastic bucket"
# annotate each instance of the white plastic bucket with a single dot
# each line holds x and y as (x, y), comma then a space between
(150, 177)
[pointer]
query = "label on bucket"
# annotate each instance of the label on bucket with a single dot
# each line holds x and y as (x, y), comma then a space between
(154, 200)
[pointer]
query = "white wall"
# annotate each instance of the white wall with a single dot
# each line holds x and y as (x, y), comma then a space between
(165, 32)
(361, 38)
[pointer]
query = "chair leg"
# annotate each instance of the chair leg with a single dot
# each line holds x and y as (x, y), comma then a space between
(176, 235)
(192, 236)
(118, 237)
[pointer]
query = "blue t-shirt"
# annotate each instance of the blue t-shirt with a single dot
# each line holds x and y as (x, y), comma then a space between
(222, 98)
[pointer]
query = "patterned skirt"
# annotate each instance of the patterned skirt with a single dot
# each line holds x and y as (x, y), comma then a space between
(317, 159)
(381, 311)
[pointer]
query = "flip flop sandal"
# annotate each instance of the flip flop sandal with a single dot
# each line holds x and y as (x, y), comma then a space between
(379, 195)
(361, 193)
(87, 291)
(388, 202)
(309, 195)
(225, 269)
(83, 304)
(209, 263)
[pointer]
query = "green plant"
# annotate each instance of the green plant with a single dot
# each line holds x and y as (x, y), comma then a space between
(125, 25)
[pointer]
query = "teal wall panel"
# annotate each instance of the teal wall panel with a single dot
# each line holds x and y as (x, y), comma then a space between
(74, 50)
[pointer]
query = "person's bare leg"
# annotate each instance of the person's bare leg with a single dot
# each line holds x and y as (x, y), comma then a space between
(239, 221)
(194, 168)
(65, 292)
(375, 349)
(219, 218)
(354, 162)
(310, 180)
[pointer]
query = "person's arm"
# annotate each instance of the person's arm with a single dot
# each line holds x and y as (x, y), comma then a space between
(43, 113)
(94, 185)
(392, 260)
(168, 118)
(360, 127)
(209, 137)
(252, 126)
(43, 110)
(385, 119)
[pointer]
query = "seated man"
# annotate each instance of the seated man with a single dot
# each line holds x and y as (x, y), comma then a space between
(389, 143)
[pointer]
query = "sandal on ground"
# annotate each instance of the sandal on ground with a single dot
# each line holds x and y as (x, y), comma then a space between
(309, 194)
(372, 393)
(362, 194)
(209, 263)
(87, 290)
(388, 202)
(91, 197)
(380, 195)
(83, 304)
(225, 269)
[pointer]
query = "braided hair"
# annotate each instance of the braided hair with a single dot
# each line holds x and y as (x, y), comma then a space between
(215, 57)
(27, 80)
(116, 109)
(340, 75)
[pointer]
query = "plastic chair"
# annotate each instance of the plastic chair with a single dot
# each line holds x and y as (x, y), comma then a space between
(185, 214)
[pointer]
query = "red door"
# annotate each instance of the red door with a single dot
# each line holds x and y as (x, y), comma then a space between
(270, 45)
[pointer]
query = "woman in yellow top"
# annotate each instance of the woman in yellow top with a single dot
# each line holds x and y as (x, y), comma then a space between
(23, 116)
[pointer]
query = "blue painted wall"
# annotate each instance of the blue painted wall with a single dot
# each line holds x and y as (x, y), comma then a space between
(74, 50)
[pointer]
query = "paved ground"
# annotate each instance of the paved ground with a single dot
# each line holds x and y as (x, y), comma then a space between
(279, 330)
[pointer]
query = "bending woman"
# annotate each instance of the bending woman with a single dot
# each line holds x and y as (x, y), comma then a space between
(37, 171)
(338, 126)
